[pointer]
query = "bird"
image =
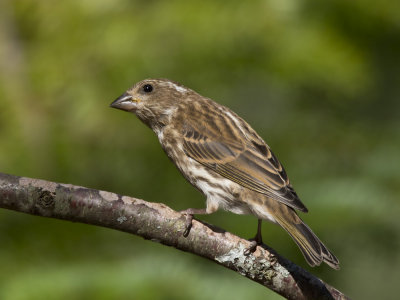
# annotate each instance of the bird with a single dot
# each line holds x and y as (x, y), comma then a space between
(221, 155)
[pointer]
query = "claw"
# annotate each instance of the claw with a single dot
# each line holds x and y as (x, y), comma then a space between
(254, 242)
(188, 224)
(251, 248)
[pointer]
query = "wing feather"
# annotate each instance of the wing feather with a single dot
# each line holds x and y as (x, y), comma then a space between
(250, 164)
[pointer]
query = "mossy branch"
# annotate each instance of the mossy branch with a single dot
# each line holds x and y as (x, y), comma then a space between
(157, 222)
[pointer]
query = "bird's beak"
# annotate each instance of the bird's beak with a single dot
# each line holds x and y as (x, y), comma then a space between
(125, 102)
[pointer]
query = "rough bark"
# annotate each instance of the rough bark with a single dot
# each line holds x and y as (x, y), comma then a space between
(159, 223)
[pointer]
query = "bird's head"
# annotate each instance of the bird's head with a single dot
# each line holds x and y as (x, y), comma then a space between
(153, 100)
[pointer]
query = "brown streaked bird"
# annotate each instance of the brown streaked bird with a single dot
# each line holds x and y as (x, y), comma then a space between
(224, 158)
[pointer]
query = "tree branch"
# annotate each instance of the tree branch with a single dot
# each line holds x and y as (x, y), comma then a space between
(159, 223)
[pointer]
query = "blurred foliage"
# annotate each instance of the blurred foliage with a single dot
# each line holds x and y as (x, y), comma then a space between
(318, 79)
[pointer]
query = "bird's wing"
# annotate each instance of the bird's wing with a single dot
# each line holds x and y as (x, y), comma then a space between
(248, 162)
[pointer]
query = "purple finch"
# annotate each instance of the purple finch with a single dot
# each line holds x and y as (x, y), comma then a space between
(224, 158)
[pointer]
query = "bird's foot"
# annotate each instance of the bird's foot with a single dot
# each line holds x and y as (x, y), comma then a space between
(253, 246)
(188, 213)
(188, 224)
(256, 241)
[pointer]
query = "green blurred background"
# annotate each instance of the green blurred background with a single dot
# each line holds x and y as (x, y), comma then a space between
(319, 80)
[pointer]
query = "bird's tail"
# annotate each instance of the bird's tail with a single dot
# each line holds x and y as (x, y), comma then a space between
(313, 249)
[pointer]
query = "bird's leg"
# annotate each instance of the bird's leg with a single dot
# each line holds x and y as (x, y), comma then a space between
(256, 241)
(189, 217)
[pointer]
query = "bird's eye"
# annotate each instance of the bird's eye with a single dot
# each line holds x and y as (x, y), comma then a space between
(147, 88)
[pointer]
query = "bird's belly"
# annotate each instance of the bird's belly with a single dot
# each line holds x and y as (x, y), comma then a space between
(219, 191)
(221, 195)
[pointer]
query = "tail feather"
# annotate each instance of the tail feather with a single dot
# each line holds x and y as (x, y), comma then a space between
(314, 251)
(329, 258)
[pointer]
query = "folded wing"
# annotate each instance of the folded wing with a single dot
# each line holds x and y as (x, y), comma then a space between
(248, 162)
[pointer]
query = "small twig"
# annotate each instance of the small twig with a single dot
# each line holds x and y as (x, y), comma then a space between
(157, 222)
